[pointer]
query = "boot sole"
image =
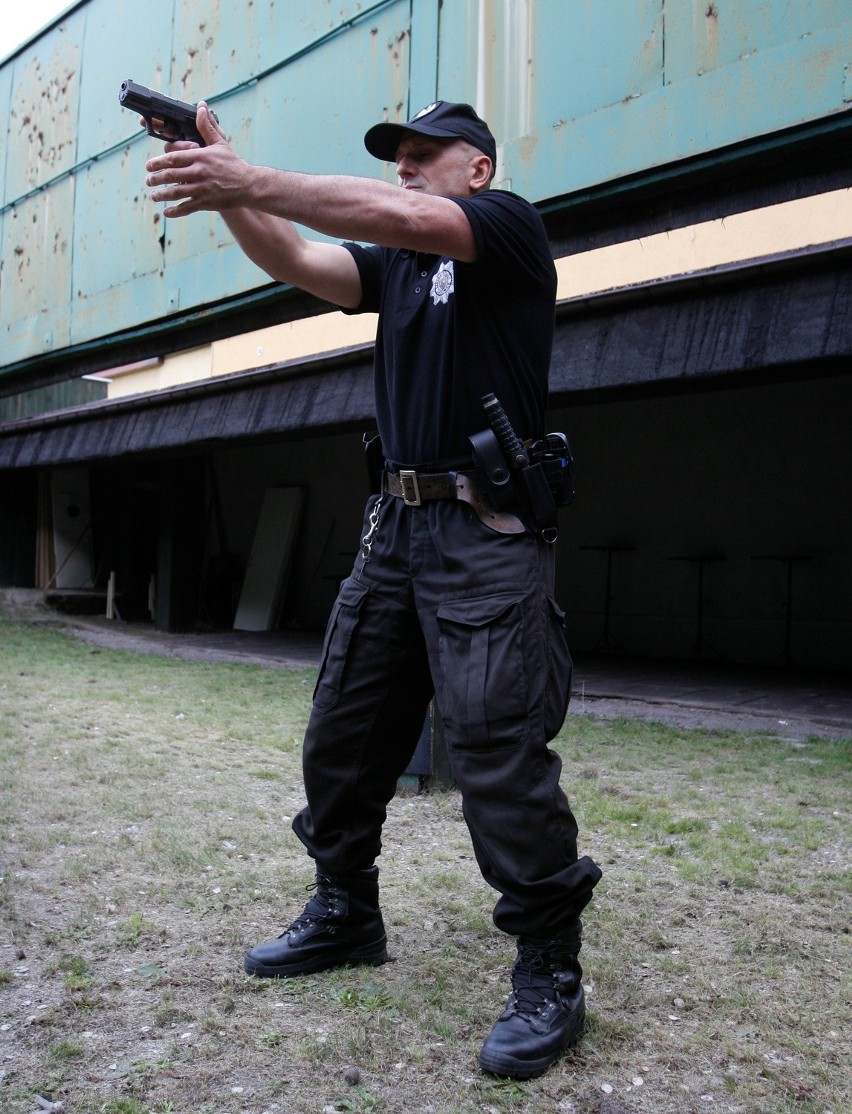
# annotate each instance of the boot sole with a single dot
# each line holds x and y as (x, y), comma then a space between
(372, 956)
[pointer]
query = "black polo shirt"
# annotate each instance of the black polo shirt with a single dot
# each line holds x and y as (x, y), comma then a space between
(451, 332)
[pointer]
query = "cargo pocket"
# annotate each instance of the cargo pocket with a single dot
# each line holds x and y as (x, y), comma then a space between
(559, 669)
(482, 660)
(338, 635)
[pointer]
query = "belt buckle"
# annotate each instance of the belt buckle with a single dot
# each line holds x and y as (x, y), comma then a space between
(408, 483)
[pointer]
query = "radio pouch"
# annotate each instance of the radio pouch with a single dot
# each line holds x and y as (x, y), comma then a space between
(540, 501)
(554, 456)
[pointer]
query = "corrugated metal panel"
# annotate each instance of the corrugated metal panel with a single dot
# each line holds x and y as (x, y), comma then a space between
(61, 396)
(252, 407)
(579, 92)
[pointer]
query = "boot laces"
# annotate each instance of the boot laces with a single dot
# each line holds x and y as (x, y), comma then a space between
(537, 980)
(325, 905)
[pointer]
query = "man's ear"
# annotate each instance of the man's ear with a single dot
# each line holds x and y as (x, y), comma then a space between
(482, 171)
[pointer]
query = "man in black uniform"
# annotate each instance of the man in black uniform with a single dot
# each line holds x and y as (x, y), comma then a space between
(450, 595)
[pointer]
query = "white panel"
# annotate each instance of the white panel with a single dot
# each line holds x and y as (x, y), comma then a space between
(270, 559)
(72, 528)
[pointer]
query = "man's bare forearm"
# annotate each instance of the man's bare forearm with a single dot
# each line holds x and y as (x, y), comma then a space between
(350, 208)
(344, 207)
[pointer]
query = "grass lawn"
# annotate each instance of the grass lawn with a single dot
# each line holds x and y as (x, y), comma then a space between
(145, 840)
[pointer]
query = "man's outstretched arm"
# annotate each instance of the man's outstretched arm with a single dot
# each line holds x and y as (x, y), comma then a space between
(261, 205)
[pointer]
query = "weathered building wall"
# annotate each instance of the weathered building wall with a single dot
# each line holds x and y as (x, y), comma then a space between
(579, 93)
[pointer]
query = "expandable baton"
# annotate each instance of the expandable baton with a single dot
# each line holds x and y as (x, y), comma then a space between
(515, 453)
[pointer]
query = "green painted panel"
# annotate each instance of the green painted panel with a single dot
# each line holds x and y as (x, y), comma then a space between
(114, 256)
(37, 273)
(423, 78)
(529, 62)
(266, 122)
(789, 85)
(217, 44)
(41, 125)
(704, 36)
(121, 46)
(590, 54)
(88, 253)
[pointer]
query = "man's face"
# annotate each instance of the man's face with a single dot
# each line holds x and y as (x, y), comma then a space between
(441, 167)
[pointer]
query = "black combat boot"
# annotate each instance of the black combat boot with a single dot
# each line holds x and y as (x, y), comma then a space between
(341, 924)
(545, 1013)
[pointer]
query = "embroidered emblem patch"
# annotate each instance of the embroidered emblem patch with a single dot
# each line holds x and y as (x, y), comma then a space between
(443, 283)
(429, 108)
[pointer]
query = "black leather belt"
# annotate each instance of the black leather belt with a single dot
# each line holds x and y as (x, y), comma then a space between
(416, 488)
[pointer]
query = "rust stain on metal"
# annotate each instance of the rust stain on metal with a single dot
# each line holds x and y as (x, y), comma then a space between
(200, 64)
(710, 49)
(395, 46)
(41, 95)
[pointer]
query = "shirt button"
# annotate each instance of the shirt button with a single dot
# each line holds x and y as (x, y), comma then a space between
(416, 289)
(423, 274)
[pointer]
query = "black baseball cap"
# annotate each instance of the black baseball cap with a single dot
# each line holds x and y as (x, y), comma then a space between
(444, 119)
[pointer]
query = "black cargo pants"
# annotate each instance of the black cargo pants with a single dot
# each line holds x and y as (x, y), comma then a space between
(439, 603)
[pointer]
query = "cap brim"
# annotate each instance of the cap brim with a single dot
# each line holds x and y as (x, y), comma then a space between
(382, 140)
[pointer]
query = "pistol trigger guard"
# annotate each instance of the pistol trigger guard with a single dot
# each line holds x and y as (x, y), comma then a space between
(152, 131)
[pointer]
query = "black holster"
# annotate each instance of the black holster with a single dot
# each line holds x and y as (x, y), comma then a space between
(540, 487)
(491, 463)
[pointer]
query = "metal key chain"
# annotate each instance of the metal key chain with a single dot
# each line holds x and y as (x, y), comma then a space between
(367, 540)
